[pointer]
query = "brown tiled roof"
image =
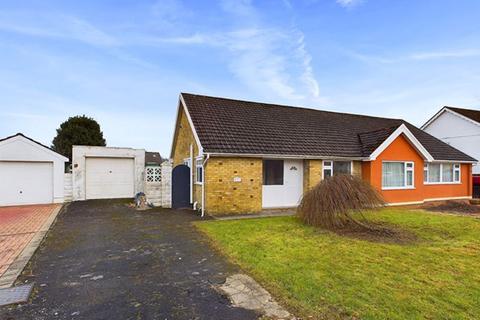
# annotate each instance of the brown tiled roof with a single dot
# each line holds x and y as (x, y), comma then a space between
(245, 127)
(469, 113)
(153, 158)
(371, 140)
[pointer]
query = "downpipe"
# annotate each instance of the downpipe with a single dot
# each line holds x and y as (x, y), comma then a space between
(203, 184)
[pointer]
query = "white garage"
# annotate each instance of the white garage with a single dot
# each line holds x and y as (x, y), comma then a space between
(30, 173)
(107, 173)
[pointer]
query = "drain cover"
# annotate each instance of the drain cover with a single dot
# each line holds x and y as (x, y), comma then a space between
(15, 294)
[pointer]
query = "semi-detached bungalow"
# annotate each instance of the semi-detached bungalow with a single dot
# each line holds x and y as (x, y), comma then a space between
(245, 157)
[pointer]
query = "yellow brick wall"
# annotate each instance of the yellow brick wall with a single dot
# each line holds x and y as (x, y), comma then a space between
(357, 168)
(312, 173)
(226, 196)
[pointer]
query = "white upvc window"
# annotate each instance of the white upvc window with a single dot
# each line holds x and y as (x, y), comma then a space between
(199, 170)
(333, 168)
(398, 175)
(441, 173)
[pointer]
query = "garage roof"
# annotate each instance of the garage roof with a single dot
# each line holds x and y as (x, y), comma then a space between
(33, 142)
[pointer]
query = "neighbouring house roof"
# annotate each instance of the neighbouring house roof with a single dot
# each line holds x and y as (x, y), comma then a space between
(469, 113)
(228, 126)
(153, 158)
(21, 135)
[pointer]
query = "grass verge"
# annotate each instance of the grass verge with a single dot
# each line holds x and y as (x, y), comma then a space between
(325, 275)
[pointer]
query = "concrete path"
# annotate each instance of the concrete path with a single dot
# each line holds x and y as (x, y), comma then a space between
(22, 228)
(104, 260)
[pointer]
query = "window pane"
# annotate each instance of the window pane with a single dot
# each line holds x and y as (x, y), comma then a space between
(393, 174)
(434, 172)
(447, 172)
(327, 173)
(273, 172)
(425, 175)
(457, 175)
(199, 174)
(341, 167)
(410, 178)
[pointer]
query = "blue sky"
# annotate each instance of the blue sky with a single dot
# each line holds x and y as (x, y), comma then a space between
(125, 62)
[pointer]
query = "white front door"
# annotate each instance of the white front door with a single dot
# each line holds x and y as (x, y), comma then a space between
(26, 183)
(109, 178)
(289, 193)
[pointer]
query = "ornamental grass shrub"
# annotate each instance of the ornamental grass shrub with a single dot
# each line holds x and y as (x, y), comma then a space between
(338, 202)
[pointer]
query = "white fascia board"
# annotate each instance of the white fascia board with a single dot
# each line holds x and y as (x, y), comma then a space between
(435, 116)
(175, 129)
(402, 129)
(36, 146)
(183, 105)
(454, 161)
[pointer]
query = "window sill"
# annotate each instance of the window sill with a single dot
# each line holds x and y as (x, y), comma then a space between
(439, 183)
(397, 188)
(199, 183)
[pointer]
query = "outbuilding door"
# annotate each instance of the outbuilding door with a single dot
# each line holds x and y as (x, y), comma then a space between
(25, 183)
(109, 178)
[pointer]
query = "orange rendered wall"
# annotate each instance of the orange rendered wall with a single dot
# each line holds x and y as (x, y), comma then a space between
(401, 150)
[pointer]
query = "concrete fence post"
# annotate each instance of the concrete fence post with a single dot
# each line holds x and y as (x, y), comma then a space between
(167, 184)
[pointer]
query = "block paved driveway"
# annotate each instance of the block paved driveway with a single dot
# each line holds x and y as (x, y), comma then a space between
(18, 225)
(104, 260)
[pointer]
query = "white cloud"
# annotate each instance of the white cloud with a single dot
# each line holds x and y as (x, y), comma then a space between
(307, 76)
(58, 26)
(272, 61)
(349, 3)
(445, 54)
(418, 56)
(239, 7)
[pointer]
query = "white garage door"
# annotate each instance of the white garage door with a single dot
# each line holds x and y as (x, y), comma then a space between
(26, 183)
(109, 178)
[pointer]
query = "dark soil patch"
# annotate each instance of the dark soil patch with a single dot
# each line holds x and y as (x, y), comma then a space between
(379, 232)
(455, 206)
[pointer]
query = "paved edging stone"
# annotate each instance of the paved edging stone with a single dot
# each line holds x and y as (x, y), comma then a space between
(246, 293)
(16, 268)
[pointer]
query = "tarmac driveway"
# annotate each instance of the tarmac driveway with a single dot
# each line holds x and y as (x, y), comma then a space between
(104, 260)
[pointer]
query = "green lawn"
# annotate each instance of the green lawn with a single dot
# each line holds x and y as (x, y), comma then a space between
(321, 274)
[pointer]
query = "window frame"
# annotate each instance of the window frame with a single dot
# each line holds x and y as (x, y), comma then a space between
(456, 167)
(199, 165)
(406, 169)
(332, 165)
